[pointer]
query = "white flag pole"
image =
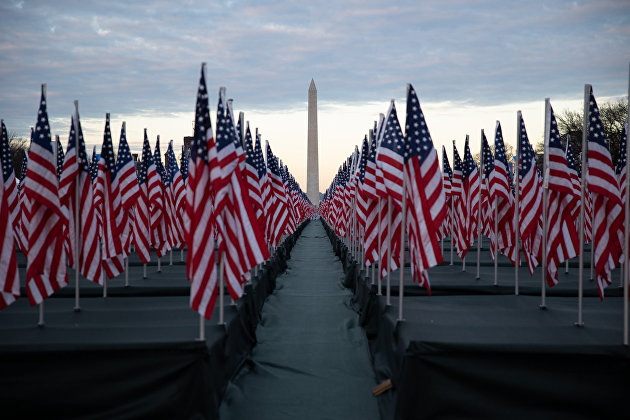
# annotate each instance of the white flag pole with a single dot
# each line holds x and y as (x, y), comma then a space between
(144, 271)
(566, 264)
(496, 241)
(202, 328)
(587, 94)
(626, 228)
(389, 250)
(104, 281)
(77, 225)
(517, 166)
(159, 269)
(545, 192)
(481, 185)
(171, 258)
(401, 281)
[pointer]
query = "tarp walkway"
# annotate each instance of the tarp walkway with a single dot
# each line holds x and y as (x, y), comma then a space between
(312, 359)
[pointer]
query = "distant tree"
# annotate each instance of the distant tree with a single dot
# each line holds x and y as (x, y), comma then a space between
(509, 153)
(613, 115)
(19, 146)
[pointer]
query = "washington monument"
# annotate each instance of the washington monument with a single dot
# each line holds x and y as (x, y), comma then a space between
(312, 161)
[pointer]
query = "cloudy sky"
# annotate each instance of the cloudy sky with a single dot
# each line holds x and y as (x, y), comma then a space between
(471, 62)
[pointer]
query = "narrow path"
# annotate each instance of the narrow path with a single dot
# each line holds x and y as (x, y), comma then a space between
(311, 360)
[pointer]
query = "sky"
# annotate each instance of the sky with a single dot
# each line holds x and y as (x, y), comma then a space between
(471, 63)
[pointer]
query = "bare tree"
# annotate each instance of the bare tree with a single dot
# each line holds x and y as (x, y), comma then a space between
(19, 146)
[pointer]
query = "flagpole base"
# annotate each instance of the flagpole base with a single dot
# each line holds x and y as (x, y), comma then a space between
(579, 324)
(77, 309)
(542, 307)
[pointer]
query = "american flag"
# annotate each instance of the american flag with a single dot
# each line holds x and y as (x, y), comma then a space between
(157, 197)
(470, 186)
(127, 181)
(575, 177)
(176, 192)
(183, 164)
(9, 281)
(292, 221)
(362, 202)
(107, 195)
(426, 207)
(562, 235)
(251, 179)
(487, 215)
(227, 157)
(607, 204)
(200, 259)
(46, 269)
(459, 204)
(372, 199)
(11, 195)
(60, 157)
(148, 180)
(261, 170)
(75, 177)
(390, 158)
(621, 172)
(503, 199)
(530, 201)
(94, 165)
(279, 213)
(447, 176)
(24, 205)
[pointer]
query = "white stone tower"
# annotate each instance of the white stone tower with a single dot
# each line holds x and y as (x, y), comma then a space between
(312, 160)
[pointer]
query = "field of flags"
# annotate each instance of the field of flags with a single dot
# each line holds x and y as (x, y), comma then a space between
(391, 195)
(226, 204)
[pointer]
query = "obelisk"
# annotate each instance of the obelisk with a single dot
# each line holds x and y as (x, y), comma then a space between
(312, 161)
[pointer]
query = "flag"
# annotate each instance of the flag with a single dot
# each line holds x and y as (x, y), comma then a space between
(127, 181)
(94, 165)
(390, 159)
(362, 203)
(10, 280)
(75, 178)
(470, 187)
(487, 211)
(279, 212)
(251, 179)
(46, 270)
(200, 259)
(60, 157)
(372, 206)
(426, 204)
(11, 195)
(148, 184)
(607, 204)
(459, 202)
(107, 195)
(621, 172)
(176, 193)
(530, 201)
(503, 199)
(562, 235)
(447, 177)
(157, 196)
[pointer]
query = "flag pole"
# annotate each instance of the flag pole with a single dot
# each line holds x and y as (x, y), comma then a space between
(566, 264)
(40, 323)
(545, 191)
(159, 269)
(496, 240)
(516, 204)
(389, 250)
(626, 234)
(401, 281)
(144, 271)
(77, 226)
(481, 184)
(452, 222)
(202, 328)
(171, 258)
(221, 290)
(380, 255)
(587, 94)
(127, 271)
(104, 281)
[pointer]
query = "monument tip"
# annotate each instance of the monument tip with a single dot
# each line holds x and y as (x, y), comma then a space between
(312, 86)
